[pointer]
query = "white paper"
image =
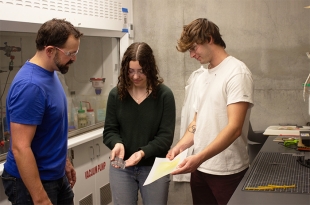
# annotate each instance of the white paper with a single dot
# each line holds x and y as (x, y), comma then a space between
(164, 166)
(285, 130)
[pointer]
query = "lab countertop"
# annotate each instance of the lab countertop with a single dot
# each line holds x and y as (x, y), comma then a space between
(242, 196)
(76, 140)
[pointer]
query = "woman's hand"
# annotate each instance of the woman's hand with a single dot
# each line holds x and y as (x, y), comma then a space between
(134, 158)
(117, 151)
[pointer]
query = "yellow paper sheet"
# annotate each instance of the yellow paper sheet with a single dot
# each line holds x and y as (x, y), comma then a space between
(163, 166)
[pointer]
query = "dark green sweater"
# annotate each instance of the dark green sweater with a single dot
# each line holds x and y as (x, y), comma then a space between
(148, 126)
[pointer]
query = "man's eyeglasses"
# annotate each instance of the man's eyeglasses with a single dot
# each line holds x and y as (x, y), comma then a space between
(67, 53)
(193, 48)
(133, 72)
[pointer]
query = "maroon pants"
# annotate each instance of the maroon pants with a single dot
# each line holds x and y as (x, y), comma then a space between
(213, 189)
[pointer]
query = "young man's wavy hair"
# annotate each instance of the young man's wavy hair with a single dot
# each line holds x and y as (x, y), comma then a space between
(142, 52)
(55, 32)
(199, 31)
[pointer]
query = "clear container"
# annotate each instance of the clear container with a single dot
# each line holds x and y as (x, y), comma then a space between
(81, 117)
(90, 114)
(69, 110)
(100, 108)
(90, 117)
(74, 110)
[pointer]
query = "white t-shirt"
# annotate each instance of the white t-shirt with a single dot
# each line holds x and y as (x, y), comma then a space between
(187, 115)
(229, 82)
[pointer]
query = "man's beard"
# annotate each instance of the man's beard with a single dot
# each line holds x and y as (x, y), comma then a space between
(63, 68)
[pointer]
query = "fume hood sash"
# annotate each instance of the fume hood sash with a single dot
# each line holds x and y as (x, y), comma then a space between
(93, 18)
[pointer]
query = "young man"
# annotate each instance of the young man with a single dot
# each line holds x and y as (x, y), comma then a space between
(37, 170)
(223, 100)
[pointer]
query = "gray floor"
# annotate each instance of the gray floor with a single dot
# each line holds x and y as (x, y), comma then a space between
(179, 194)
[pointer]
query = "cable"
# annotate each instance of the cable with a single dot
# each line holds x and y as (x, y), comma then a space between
(5, 85)
(305, 86)
(300, 161)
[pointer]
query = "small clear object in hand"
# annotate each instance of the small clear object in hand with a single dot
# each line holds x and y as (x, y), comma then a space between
(118, 162)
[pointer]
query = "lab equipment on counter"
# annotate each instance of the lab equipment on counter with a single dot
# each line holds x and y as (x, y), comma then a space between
(285, 130)
(70, 107)
(90, 114)
(100, 102)
(100, 108)
(82, 117)
(73, 120)
(304, 142)
(97, 83)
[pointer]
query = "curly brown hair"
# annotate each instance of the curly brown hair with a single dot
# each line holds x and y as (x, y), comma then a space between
(199, 31)
(142, 52)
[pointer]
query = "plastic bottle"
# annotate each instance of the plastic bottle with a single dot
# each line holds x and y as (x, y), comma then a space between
(90, 114)
(100, 108)
(69, 110)
(82, 117)
(74, 110)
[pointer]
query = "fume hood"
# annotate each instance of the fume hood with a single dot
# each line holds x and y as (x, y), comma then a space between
(106, 27)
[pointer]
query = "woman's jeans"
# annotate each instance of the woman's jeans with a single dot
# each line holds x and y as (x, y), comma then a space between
(125, 184)
(59, 191)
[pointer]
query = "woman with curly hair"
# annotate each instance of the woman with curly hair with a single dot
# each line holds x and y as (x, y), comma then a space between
(139, 127)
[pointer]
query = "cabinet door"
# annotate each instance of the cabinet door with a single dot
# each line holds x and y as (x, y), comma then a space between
(3, 198)
(91, 162)
(103, 191)
(83, 162)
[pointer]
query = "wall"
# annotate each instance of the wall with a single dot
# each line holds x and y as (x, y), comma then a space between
(271, 37)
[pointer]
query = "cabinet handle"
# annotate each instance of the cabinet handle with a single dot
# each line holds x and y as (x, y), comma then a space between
(98, 153)
(91, 152)
(72, 153)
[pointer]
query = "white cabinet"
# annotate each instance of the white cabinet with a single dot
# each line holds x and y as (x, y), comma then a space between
(91, 162)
